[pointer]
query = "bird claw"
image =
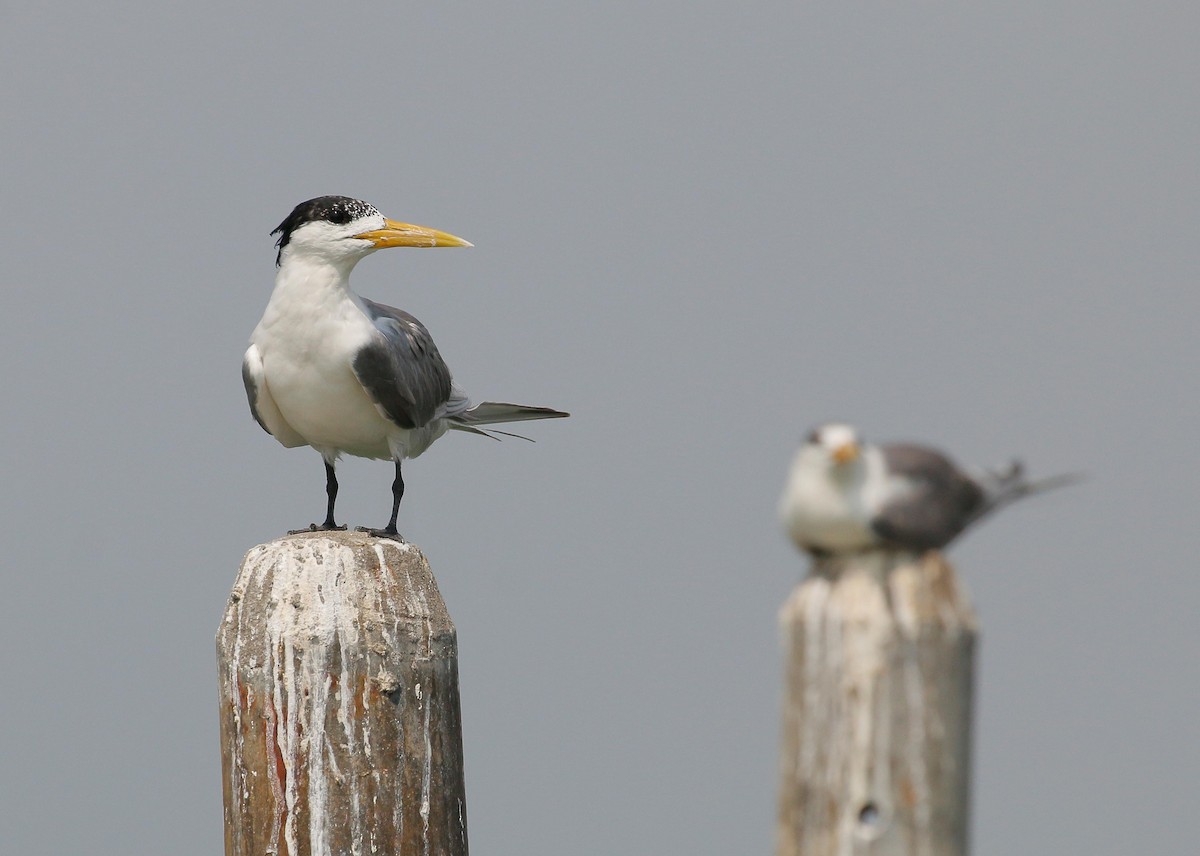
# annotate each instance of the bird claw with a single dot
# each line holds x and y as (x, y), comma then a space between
(388, 532)
(313, 527)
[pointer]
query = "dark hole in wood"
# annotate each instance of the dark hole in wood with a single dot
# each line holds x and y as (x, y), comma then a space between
(869, 814)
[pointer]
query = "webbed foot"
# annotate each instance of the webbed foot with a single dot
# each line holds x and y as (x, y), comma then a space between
(386, 532)
(327, 526)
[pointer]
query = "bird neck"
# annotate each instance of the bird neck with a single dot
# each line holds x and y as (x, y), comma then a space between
(314, 277)
(308, 292)
(850, 473)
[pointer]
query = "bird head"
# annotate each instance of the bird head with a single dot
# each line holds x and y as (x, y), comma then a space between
(342, 230)
(835, 444)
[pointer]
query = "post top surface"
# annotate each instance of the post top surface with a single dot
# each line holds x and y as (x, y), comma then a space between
(316, 583)
(912, 588)
(345, 537)
(878, 562)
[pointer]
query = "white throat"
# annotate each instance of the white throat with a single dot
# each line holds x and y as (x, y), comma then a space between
(312, 300)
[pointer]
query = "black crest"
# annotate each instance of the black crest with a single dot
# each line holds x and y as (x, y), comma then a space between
(338, 210)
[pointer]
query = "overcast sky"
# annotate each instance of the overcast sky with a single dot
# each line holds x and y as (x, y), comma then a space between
(701, 228)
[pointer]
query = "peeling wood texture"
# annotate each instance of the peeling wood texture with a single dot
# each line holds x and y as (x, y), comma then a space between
(340, 725)
(877, 709)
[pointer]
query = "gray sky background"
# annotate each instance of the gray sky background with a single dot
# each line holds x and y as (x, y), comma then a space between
(701, 227)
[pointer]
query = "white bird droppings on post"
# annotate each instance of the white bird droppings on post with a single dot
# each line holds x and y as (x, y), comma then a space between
(339, 707)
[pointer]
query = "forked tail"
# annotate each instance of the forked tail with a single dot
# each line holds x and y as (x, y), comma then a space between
(1002, 487)
(499, 412)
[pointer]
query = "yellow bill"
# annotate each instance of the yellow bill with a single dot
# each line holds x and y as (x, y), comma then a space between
(845, 453)
(395, 234)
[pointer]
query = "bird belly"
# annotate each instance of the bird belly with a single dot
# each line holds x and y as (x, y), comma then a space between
(307, 363)
(819, 518)
(330, 409)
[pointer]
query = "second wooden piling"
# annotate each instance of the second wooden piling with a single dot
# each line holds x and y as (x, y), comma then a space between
(877, 709)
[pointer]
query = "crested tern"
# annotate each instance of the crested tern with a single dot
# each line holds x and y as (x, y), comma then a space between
(329, 369)
(846, 496)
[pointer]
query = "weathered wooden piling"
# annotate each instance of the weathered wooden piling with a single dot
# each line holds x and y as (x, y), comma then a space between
(877, 709)
(340, 725)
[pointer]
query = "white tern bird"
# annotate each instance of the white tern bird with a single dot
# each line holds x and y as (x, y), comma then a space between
(845, 496)
(329, 369)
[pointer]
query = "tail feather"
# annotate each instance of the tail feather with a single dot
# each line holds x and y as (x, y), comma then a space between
(499, 412)
(487, 432)
(1003, 487)
(470, 429)
(496, 412)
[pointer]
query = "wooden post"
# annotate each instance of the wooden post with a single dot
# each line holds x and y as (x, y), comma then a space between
(340, 727)
(877, 709)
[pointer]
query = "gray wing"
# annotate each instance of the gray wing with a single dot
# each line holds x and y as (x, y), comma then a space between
(940, 503)
(401, 369)
(251, 383)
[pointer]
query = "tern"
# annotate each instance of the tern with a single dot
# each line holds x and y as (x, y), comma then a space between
(846, 496)
(329, 369)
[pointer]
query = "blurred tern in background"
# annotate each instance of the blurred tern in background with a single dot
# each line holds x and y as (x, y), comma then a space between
(846, 496)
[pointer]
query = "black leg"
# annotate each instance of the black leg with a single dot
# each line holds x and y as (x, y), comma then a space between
(389, 531)
(331, 489)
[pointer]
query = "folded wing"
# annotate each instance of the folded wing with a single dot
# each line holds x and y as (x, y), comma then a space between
(402, 371)
(936, 504)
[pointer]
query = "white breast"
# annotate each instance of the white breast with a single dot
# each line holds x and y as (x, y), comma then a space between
(307, 339)
(822, 512)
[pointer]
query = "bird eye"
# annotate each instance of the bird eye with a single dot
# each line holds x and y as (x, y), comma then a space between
(339, 216)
